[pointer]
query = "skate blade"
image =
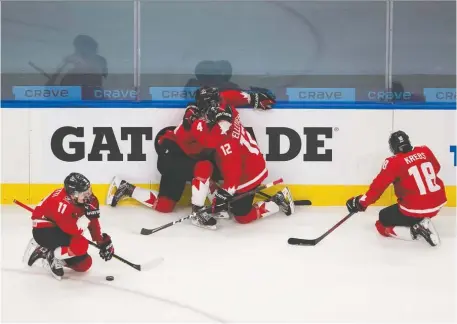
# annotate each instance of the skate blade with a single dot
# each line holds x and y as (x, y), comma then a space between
(47, 267)
(288, 195)
(221, 215)
(111, 191)
(197, 224)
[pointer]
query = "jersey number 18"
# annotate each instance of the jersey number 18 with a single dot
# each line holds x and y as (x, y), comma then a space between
(428, 173)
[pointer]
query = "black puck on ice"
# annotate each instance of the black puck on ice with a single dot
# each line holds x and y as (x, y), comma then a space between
(109, 278)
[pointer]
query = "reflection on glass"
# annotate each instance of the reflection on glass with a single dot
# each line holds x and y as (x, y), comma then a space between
(424, 44)
(51, 49)
(275, 45)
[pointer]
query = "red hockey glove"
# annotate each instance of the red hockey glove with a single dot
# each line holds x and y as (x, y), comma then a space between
(220, 200)
(190, 115)
(106, 247)
(354, 206)
(262, 99)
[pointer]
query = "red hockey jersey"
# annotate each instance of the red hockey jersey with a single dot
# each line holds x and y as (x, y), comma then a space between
(186, 140)
(57, 209)
(420, 192)
(238, 156)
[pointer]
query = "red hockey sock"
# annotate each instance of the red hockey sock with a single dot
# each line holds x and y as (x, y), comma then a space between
(259, 210)
(386, 231)
(398, 232)
(78, 246)
(165, 205)
(83, 265)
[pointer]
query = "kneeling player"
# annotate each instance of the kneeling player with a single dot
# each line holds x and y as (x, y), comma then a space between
(242, 166)
(59, 221)
(178, 155)
(420, 192)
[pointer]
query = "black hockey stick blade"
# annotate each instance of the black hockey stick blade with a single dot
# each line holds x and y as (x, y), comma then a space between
(313, 242)
(302, 202)
(297, 241)
(296, 202)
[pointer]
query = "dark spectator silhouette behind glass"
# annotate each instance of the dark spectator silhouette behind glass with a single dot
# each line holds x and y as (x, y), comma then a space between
(83, 68)
(213, 74)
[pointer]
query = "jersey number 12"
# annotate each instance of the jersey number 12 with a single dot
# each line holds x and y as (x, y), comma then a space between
(428, 173)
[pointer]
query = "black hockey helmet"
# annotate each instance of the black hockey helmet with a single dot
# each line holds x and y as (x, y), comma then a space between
(206, 98)
(75, 184)
(399, 142)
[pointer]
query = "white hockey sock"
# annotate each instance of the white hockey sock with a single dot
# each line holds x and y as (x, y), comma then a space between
(200, 189)
(266, 208)
(145, 196)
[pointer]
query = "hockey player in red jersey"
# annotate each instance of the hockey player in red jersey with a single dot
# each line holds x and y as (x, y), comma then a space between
(420, 192)
(59, 222)
(238, 157)
(180, 154)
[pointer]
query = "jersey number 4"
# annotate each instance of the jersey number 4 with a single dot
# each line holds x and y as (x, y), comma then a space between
(428, 173)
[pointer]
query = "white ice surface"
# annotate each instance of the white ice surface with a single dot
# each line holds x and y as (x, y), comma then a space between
(239, 272)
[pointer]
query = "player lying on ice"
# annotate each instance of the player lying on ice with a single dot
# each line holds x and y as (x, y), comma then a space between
(182, 139)
(420, 192)
(59, 222)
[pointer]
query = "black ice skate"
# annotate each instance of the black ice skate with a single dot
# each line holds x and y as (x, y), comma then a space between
(202, 219)
(39, 253)
(54, 265)
(426, 230)
(123, 189)
(285, 201)
(33, 252)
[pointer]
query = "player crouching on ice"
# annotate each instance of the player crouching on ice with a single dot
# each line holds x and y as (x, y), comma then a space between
(59, 222)
(420, 192)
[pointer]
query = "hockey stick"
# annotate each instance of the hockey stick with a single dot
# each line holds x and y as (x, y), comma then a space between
(40, 70)
(297, 241)
(145, 231)
(296, 202)
(138, 267)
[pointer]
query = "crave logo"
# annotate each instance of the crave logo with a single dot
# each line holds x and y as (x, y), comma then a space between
(105, 146)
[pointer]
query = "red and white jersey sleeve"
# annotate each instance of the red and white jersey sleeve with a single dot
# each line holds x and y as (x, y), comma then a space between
(380, 183)
(235, 98)
(94, 225)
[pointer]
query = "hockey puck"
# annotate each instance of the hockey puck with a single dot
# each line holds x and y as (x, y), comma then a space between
(109, 278)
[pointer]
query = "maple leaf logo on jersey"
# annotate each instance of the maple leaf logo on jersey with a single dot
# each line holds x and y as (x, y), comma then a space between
(231, 190)
(224, 126)
(246, 96)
